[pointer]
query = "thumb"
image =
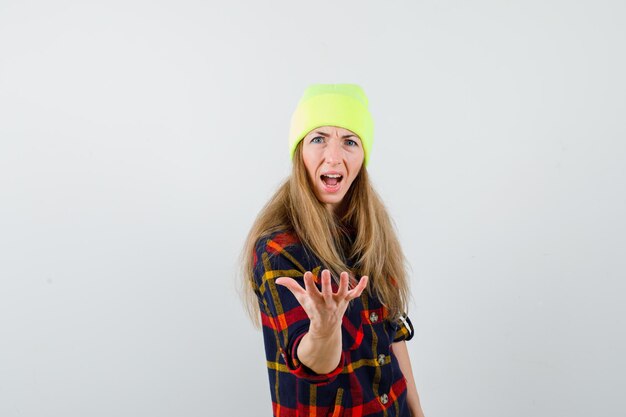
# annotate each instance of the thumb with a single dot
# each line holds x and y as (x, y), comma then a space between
(292, 285)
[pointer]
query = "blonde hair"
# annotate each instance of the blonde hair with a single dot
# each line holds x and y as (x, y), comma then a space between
(375, 252)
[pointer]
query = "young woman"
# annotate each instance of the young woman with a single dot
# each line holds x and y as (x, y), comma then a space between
(334, 343)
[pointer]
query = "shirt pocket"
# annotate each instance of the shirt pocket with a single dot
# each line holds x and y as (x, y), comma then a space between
(377, 319)
(375, 315)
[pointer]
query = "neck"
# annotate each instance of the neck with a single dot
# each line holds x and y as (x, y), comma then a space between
(338, 209)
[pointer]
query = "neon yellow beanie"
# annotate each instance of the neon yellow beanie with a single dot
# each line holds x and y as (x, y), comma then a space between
(342, 105)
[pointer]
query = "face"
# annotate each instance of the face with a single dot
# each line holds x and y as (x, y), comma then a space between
(333, 157)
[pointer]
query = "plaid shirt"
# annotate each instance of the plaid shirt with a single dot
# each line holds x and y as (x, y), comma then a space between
(367, 381)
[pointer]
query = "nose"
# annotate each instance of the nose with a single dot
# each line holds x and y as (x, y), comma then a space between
(332, 153)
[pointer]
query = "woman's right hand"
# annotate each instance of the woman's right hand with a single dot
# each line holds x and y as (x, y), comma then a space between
(320, 348)
(324, 308)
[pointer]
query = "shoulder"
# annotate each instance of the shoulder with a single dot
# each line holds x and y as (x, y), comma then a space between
(282, 250)
(276, 243)
(277, 239)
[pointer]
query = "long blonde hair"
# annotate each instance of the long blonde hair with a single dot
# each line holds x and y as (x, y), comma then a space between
(375, 252)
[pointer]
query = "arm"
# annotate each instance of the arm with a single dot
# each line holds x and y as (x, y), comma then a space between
(320, 352)
(402, 354)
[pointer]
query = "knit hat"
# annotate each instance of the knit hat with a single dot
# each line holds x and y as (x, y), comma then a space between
(342, 105)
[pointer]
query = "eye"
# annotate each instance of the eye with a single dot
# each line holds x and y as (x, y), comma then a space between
(315, 139)
(351, 142)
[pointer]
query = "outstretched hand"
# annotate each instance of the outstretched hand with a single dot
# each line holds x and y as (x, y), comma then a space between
(324, 308)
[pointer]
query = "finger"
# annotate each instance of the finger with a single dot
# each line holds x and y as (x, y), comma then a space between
(327, 290)
(343, 285)
(356, 291)
(292, 285)
(309, 284)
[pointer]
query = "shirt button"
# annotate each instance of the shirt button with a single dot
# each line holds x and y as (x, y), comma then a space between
(384, 399)
(373, 317)
(381, 359)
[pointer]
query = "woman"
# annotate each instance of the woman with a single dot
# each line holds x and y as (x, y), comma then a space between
(335, 345)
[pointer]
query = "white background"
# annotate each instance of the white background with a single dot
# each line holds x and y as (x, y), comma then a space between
(138, 140)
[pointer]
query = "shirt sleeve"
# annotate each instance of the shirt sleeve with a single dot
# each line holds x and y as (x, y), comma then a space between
(405, 329)
(281, 313)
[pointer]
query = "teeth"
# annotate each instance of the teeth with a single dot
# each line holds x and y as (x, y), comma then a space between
(332, 175)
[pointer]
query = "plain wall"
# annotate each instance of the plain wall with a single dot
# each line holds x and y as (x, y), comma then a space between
(139, 139)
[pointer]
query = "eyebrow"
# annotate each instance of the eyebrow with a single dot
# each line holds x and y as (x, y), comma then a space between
(327, 135)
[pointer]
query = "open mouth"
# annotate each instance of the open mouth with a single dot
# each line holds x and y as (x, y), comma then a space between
(332, 180)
